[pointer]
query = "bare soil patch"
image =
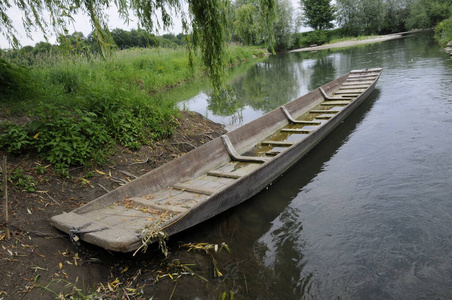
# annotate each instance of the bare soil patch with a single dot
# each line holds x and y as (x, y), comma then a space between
(40, 262)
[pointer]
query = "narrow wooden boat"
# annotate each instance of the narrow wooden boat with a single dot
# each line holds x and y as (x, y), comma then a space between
(218, 175)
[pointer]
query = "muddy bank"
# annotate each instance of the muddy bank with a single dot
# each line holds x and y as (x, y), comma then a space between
(39, 262)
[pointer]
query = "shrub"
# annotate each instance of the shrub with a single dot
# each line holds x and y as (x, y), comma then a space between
(64, 138)
(318, 37)
(443, 32)
(13, 78)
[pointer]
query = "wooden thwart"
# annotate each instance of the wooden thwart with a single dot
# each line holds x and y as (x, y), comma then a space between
(324, 117)
(194, 189)
(324, 111)
(367, 83)
(277, 143)
(296, 130)
(332, 98)
(224, 174)
(350, 91)
(149, 203)
(333, 103)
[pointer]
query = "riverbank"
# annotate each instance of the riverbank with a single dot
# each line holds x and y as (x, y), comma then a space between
(355, 42)
(39, 262)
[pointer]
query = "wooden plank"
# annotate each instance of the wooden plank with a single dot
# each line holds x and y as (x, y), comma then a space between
(354, 87)
(296, 130)
(368, 83)
(376, 70)
(224, 174)
(324, 111)
(355, 80)
(309, 123)
(194, 189)
(277, 143)
(333, 103)
(273, 152)
(349, 91)
(151, 204)
(363, 76)
(324, 117)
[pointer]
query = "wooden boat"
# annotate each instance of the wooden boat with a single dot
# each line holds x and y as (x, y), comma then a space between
(218, 175)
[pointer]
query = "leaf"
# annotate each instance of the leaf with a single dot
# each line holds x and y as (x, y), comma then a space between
(100, 172)
(60, 265)
(36, 135)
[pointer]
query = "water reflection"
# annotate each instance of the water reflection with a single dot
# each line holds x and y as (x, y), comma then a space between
(264, 87)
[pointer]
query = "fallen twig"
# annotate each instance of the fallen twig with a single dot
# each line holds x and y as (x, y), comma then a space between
(104, 188)
(128, 174)
(141, 162)
(51, 198)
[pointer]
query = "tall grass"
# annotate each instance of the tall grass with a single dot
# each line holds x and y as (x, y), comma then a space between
(123, 95)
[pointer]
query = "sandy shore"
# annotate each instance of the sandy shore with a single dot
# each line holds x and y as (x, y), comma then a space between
(375, 39)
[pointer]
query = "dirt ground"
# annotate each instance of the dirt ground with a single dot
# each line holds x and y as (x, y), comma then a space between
(40, 262)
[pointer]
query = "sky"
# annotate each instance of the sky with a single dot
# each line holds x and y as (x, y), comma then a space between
(82, 24)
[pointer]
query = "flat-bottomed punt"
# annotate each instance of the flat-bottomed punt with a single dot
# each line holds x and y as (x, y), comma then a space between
(218, 175)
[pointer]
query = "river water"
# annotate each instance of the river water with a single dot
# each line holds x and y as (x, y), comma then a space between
(368, 213)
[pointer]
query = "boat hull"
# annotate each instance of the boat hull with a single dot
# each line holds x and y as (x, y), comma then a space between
(116, 236)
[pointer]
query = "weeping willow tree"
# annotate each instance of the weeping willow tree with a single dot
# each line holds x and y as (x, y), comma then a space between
(205, 22)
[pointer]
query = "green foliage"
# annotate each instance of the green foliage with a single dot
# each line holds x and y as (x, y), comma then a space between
(61, 137)
(13, 78)
(443, 32)
(283, 26)
(251, 24)
(319, 14)
(429, 13)
(68, 78)
(66, 138)
(361, 16)
(92, 104)
(318, 37)
(15, 138)
(246, 24)
(20, 180)
(307, 39)
(208, 22)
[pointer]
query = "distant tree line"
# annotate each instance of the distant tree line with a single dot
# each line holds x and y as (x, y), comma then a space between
(357, 17)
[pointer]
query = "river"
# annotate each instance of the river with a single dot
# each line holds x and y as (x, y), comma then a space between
(368, 213)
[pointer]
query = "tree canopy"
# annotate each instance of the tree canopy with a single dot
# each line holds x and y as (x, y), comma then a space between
(319, 14)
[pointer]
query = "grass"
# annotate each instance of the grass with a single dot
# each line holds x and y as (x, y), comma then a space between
(80, 106)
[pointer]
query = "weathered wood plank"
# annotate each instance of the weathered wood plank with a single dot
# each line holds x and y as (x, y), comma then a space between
(277, 143)
(296, 130)
(333, 103)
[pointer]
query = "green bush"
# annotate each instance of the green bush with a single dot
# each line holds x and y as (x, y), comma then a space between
(443, 32)
(318, 37)
(15, 138)
(13, 78)
(62, 137)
